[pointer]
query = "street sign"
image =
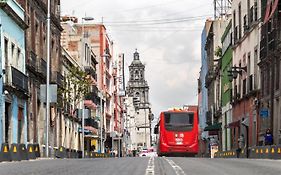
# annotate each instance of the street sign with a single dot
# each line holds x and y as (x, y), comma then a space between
(53, 93)
(264, 113)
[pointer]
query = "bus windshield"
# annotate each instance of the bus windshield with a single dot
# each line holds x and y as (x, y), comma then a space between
(178, 121)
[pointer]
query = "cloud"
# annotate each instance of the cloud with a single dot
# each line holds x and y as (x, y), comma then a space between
(171, 52)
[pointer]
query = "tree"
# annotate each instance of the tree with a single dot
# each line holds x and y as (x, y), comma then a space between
(218, 52)
(76, 85)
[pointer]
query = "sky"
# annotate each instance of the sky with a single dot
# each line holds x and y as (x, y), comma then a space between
(167, 35)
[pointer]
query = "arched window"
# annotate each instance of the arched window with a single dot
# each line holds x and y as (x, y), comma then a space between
(136, 74)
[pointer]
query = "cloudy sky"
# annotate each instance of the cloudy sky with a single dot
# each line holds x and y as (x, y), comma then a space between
(166, 34)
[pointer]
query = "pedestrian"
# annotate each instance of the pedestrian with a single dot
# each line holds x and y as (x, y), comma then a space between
(268, 137)
(241, 145)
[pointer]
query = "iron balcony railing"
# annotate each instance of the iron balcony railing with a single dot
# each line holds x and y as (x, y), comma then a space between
(16, 79)
(91, 71)
(91, 122)
(93, 96)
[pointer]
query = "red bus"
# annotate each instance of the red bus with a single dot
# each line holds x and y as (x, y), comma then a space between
(177, 132)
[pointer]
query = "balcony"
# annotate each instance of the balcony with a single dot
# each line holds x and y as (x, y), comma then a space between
(42, 67)
(209, 78)
(91, 71)
(31, 61)
(93, 96)
(263, 48)
(57, 78)
(91, 122)
(16, 79)
(272, 40)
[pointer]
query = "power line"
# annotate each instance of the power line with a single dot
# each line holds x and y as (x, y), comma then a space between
(155, 22)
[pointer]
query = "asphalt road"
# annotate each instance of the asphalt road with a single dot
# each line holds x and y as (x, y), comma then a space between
(143, 166)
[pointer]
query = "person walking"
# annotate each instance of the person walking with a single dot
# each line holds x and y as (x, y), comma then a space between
(241, 145)
(268, 137)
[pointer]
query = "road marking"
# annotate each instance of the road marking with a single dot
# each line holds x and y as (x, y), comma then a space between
(150, 167)
(178, 170)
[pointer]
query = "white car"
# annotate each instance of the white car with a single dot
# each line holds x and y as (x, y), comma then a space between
(147, 153)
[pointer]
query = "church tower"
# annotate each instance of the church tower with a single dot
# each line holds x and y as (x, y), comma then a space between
(137, 85)
(138, 106)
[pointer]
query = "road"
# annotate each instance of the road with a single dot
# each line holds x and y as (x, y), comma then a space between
(142, 166)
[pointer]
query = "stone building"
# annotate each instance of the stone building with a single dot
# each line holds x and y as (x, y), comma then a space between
(244, 71)
(36, 55)
(138, 106)
(270, 49)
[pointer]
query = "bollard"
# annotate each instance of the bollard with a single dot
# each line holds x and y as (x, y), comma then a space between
(5, 152)
(30, 152)
(14, 151)
(23, 152)
(36, 149)
(278, 152)
(79, 154)
(61, 152)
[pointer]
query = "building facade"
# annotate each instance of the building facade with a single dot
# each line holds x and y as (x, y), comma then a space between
(246, 29)
(270, 106)
(14, 79)
(203, 91)
(36, 67)
(78, 45)
(213, 80)
(226, 87)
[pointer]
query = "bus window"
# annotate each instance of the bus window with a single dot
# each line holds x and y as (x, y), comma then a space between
(178, 121)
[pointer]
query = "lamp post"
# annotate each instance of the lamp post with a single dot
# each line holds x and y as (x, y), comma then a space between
(48, 79)
(234, 71)
(82, 62)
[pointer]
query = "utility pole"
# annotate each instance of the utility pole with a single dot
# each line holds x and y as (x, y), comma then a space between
(48, 80)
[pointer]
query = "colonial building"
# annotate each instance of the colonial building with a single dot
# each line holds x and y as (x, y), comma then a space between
(270, 49)
(14, 81)
(138, 106)
(226, 87)
(36, 55)
(78, 39)
(203, 91)
(213, 78)
(78, 45)
(244, 71)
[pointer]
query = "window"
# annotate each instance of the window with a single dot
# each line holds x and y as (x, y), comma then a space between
(6, 50)
(18, 57)
(178, 121)
(277, 74)
(240, 19)
(13, 50)
(255, 67)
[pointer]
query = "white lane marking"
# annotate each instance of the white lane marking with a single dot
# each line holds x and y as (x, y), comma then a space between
(178, 170)
(150, 167)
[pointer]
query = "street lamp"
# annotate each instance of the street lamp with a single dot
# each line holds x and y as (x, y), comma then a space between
(234, 71)
(82, 61)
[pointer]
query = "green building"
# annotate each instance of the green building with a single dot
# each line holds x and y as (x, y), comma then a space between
(226, 87)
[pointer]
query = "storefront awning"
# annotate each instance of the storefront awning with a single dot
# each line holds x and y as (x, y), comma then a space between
(234, 124)
(214, 127)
